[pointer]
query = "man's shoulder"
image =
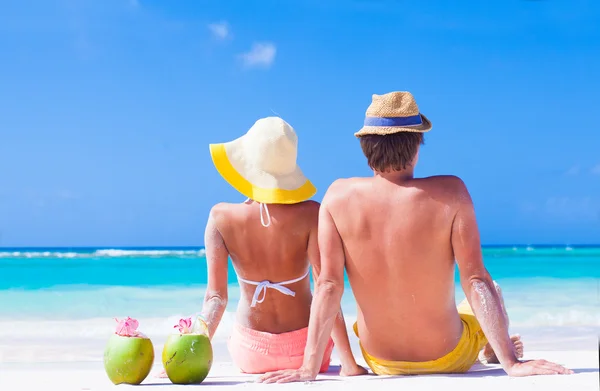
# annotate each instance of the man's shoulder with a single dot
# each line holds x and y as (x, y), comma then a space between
(348, 183)
(449, 181)
(341, 187)
(446, 187)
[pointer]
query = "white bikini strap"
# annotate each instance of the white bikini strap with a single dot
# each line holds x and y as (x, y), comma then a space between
(262, 221)
(266, 208)
(261, 288)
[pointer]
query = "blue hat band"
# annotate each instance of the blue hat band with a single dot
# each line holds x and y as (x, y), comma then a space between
(394, 121)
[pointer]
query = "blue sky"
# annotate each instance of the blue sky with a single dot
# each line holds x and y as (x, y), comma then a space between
(107, 108)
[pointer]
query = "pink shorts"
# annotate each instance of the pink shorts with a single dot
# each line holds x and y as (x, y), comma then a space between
(259, 352)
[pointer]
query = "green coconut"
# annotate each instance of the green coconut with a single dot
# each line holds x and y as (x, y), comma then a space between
(128, 360)
(187, 358)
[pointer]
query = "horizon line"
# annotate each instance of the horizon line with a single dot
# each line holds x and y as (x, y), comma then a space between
(202, 247)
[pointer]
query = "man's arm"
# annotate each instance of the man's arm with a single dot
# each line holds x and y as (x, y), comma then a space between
(215, 299)
(326, 303)
(339, 334)
(481, 294)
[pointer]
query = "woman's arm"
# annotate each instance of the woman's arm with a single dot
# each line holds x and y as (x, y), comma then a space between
(215, 299)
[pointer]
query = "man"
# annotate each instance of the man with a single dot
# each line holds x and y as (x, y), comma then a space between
(398, 238)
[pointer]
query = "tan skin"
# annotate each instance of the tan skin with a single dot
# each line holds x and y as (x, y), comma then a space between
(283, 251)
(398, 247)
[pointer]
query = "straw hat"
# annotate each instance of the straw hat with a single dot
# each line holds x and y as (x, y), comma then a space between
(262, 164)
(392, 113)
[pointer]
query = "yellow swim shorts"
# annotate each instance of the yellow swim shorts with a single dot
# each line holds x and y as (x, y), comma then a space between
(460, 360)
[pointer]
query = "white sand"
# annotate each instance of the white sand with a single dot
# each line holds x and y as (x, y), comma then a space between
(64, 365)
(91, 377)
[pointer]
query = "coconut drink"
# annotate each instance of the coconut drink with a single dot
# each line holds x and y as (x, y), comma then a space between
(129, 354)
(187, 356)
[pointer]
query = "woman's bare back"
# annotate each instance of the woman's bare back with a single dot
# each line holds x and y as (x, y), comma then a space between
(277, 253)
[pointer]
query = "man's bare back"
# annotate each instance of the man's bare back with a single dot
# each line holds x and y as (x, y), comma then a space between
(399, 259)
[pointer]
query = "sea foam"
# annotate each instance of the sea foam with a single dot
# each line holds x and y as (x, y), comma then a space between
(104, 253)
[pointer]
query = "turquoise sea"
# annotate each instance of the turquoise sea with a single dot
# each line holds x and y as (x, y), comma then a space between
(543, 285)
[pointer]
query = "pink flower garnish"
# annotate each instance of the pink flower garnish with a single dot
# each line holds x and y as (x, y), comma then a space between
(127, 327)
(184, 325)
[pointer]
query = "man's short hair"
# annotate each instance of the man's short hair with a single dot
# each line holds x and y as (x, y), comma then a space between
(391, 152)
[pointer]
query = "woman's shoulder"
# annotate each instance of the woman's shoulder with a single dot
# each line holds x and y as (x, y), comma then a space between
(305, 209)
(310, 204)
(222, 209)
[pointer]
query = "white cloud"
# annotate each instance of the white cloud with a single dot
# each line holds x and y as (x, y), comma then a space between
(573, 170)
(66, 195)
(260, 55)
(220, 30)
(563, 209)
(596, 170)
(573, 208)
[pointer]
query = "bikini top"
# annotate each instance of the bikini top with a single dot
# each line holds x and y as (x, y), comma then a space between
(262, 286)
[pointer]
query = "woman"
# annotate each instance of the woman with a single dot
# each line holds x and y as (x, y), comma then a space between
(272, 241)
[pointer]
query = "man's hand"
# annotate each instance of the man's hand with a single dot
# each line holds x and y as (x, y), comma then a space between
(287, 376)
(537, 367)
(355, 370)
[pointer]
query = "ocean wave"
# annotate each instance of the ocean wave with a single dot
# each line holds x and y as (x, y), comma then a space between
(154, 327)
(108, 253)
(160, 327)
(541, 251)
(147, 253)
(545, 303)
(104, 253)
(559, 317)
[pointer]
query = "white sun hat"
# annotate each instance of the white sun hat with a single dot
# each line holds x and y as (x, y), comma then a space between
(262, 164)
